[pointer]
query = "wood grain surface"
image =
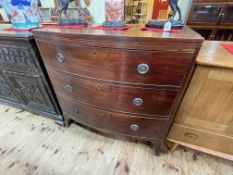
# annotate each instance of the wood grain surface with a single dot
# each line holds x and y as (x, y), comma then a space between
(33, 145)
(213, 54)
(205, 118)
(166, 68)
(135, 72)
(116, 97)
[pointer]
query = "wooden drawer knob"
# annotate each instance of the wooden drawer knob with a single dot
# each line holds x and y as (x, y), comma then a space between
(60, 58)
(137, 101)
(134, 127)
(191, 136)
(143, 68)
(76, 111)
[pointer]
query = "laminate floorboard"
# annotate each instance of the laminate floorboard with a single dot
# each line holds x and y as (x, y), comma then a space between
(34, 145)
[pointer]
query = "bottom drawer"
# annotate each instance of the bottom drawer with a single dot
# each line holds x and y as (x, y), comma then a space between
(113, 122)
(194, 138)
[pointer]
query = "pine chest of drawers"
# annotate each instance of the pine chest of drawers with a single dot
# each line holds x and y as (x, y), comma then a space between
(121, 82)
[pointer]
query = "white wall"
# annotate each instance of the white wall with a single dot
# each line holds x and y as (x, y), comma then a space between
(185, 7)
(2, 12)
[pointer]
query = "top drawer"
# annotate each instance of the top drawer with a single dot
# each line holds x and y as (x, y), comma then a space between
(132, 66)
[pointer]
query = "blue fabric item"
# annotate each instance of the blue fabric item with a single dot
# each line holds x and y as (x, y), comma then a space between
(21, 2)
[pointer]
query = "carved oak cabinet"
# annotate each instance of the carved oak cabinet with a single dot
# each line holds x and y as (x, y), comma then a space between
(127, 83)
(23, 80)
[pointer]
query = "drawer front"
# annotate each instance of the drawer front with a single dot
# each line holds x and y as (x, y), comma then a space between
(207, 140)
(113, 122)
(134, 66)
(141, 101)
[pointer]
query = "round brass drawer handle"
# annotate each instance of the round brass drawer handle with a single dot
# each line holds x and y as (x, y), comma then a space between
(137, 101)
(134, 127)
(60, 58)
(143, 68)
(68, 88)
(76, 111)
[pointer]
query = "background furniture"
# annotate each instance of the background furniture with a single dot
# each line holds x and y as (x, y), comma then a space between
(204, 120)
(121, 82)
(23, 80)
(212, 19)
(136, 11)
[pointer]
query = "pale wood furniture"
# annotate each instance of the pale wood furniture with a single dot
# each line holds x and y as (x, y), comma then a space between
(205, 118)
(33, 145)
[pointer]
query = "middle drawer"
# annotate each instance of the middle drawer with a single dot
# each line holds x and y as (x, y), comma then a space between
(115, 97)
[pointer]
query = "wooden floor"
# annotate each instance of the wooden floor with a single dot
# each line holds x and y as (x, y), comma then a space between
(33, 145)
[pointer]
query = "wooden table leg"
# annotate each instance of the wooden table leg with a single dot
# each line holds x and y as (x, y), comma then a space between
(171, 146)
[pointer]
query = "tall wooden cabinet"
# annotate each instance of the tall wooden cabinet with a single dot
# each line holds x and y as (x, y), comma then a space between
(23, 80)
(212, 19)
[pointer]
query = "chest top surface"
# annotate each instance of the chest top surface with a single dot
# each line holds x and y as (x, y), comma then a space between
(13, 34)
(133, 34)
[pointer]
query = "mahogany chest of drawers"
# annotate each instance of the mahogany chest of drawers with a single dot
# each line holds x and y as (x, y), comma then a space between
(24, 82)
(121, 82)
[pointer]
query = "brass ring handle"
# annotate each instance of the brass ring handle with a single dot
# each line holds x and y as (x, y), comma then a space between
(134, 127)
(68, 88)
(143, 68)
(76, 111)
(60, 58)
(137, 101)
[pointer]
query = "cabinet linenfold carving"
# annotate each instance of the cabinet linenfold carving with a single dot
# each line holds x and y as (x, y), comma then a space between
(125, 83)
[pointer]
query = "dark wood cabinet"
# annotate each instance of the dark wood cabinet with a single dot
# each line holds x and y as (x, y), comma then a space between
(227, 15)
(23, 80)
(120, 82)
(210, 17)
(207, 14)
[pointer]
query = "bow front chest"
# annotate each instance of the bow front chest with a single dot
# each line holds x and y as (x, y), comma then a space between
(126, 83)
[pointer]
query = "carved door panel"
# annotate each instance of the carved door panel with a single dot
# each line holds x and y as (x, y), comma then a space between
(30, 90)
(5, 92)
(18, 56)
(227, 15)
